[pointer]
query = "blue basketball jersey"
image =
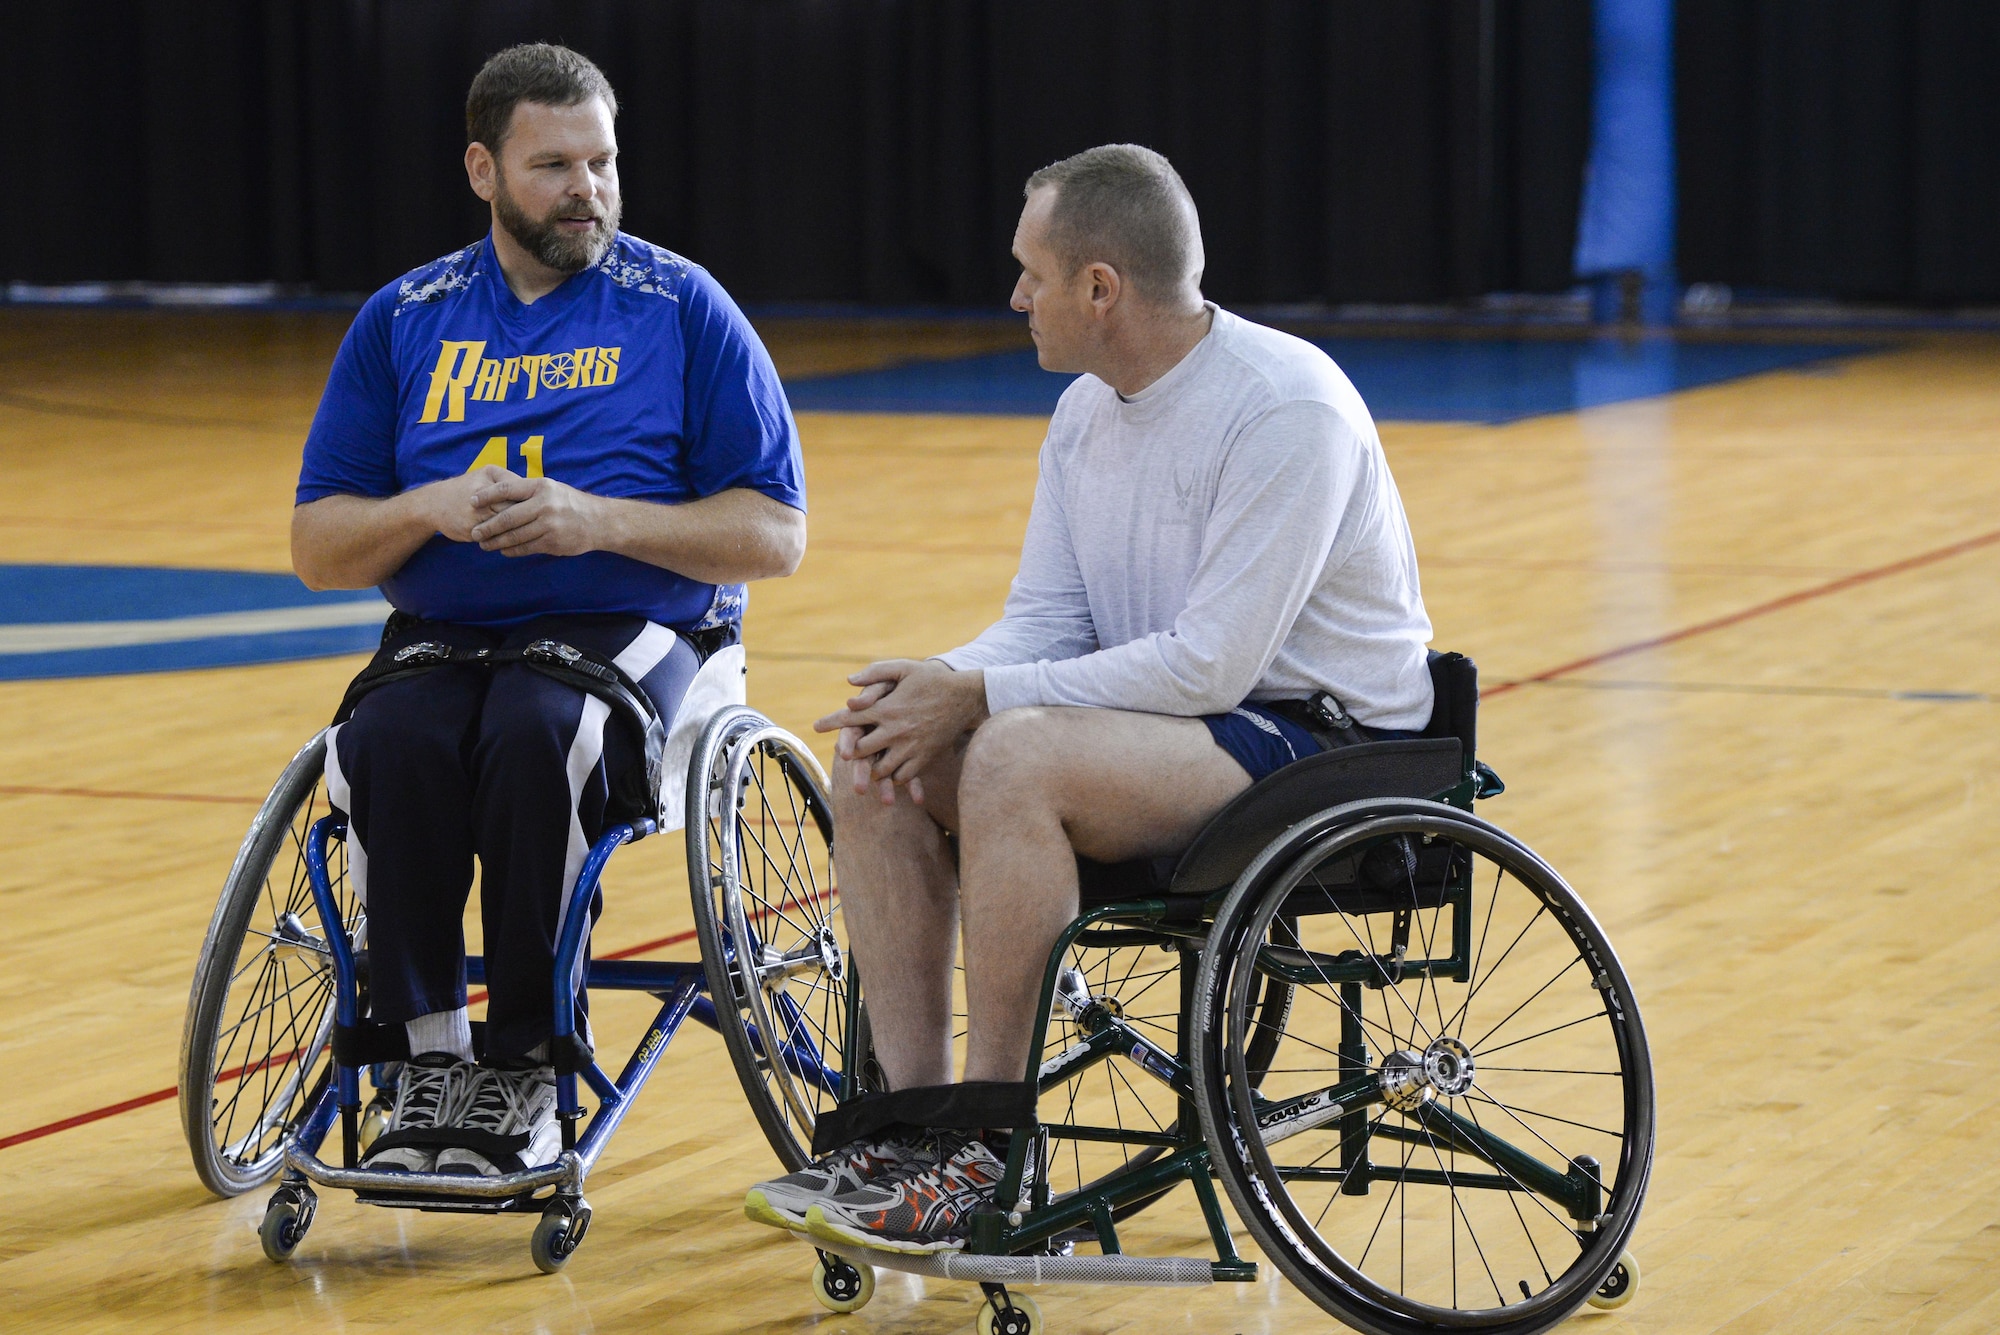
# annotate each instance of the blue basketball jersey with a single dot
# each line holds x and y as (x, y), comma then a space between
(637, 378)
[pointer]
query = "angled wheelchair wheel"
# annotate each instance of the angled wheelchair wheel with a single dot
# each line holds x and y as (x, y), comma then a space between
(1099, 1115)
(760, 856)
(254, 1043)
(1454, 1128)
(1136, 988)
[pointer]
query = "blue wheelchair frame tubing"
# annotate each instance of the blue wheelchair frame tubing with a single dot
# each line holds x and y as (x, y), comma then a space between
(681, 987)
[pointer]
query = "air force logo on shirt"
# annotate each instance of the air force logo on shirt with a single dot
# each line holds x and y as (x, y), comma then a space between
(465, 366)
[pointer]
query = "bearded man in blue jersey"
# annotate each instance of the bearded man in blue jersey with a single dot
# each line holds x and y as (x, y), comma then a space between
(561, 432)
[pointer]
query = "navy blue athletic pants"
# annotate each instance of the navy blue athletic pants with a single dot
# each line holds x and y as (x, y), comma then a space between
(504, 764)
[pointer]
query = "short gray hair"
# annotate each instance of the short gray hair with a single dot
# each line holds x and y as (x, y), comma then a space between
(1126, 206)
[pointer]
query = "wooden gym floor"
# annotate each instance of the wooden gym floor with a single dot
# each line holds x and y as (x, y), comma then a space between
(1739, 652)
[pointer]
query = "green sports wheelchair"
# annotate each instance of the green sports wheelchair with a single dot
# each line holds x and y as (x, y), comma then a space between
(1390, 1031)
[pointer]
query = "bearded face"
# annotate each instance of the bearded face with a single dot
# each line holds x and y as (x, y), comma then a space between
(566, 249)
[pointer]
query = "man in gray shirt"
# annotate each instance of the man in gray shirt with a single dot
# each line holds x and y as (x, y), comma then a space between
(1215, 536)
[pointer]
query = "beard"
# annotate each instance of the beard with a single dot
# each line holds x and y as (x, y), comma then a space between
(565, 252)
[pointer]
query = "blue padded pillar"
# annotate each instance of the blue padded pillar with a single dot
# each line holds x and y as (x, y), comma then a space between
(1626, 225)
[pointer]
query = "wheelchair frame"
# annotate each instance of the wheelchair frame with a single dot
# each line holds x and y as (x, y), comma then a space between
(556, 1188)
(679, 986)
(997, 1238)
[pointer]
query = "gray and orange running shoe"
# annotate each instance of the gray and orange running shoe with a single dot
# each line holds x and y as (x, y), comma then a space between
(782, 1202)
(923, 1206)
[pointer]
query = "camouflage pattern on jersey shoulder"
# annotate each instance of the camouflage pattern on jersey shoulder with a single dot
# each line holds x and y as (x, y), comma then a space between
(438, 279)
(641, 266)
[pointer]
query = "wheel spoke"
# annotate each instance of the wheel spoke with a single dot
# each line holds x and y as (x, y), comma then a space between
(1574, 961)
(1553, 1029)
(1513, 1199)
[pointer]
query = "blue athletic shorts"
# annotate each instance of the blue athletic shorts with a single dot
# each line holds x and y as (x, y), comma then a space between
(1263, 742)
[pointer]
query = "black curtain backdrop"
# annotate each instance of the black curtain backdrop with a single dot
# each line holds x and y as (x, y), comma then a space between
(1848, 148)
(873, 150)
(811, 150)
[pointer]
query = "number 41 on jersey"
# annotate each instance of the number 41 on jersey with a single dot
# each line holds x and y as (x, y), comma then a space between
(496, 453)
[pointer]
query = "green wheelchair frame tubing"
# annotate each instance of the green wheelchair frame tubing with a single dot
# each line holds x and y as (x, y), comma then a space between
(996, 1233)
(1577, 1188)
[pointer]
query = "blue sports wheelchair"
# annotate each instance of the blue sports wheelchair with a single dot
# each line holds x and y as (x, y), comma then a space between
(277, 1038)
(1392, 1033)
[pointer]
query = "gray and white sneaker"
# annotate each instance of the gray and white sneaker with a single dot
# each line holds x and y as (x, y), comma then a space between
(782, 1202)
(506, 1121)
(427, 1098)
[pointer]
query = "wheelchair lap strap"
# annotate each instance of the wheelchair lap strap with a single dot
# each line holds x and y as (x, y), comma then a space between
(587, 671)
(976, 1105)
(503, 1152)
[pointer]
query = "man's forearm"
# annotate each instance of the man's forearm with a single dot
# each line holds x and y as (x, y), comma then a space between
(732, 537)
(356, 542)
(353, 542)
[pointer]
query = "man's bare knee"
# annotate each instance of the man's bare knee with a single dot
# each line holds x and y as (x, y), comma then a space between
(850, 808)
(1011, 751)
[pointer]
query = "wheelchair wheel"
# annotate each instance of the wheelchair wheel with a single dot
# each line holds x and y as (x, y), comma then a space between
(760, 856)
(1137, 979)
(1137, 986)
(1455, 1126)
(254, 1044)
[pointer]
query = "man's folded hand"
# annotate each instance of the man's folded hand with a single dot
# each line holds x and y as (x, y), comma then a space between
(907, 714)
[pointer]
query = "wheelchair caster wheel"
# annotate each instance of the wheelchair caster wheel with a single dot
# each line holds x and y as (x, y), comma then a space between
(558, 1233)
(374, 1121)
(1618, 1286)
(841, 1286)
(1019, 1316)
(286, 1220)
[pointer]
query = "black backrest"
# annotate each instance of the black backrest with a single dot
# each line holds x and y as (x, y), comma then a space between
(1234, 837)
(1455, 710)
(1240, 831)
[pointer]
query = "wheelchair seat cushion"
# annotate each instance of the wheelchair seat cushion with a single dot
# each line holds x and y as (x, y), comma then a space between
(1234, 837)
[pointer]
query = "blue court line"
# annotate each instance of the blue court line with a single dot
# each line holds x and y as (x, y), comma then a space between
(182, 655)
(1490, 381)
(90, 621)
(31, 594)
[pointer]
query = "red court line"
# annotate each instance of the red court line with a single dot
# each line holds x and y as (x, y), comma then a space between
(1840, 585)
(33, 790)
(162, 1095)
(81, 1119)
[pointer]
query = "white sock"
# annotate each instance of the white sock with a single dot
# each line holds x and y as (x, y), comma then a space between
(441, 1031)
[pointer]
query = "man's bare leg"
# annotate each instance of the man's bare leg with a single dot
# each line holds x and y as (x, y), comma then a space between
(1039, 786)
(899, 893)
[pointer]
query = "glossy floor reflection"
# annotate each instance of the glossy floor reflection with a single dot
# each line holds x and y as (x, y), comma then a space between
(1737, 644)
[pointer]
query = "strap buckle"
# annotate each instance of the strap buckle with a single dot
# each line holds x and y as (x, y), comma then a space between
(422, 653)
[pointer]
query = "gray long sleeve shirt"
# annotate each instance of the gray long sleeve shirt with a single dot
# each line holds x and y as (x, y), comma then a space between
(1231, 532)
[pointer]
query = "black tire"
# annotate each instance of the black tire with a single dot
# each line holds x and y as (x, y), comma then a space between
(1558, 1066)
(558, 1233)
(254, 1043)
(286, 1220)
(760, 864)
